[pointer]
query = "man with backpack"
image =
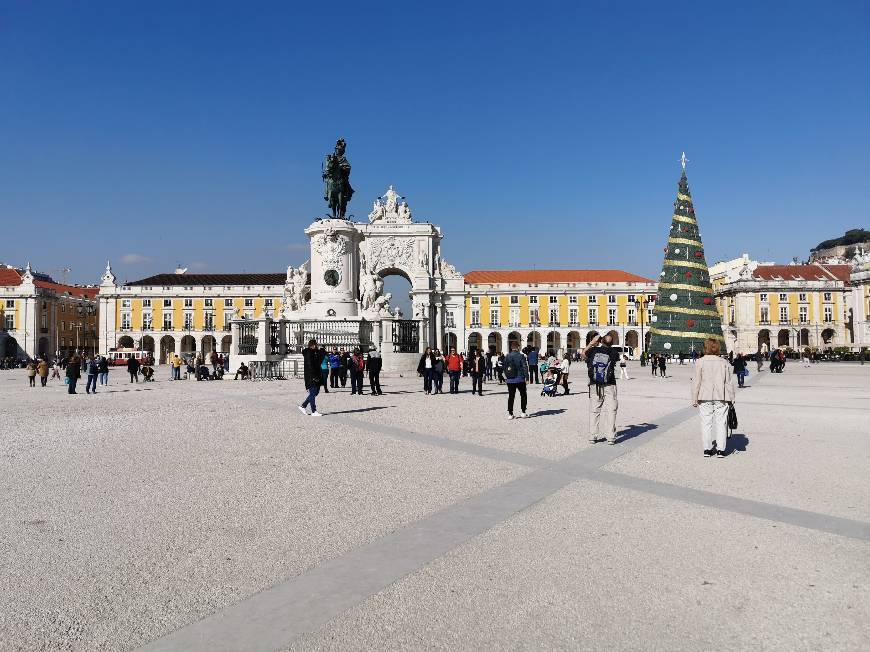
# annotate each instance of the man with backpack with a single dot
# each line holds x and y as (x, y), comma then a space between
(516, 371)
(312, 358)
(601, 360)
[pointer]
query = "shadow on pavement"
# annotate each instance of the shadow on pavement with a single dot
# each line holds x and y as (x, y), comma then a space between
(737, 443)
(365, 409)
(634, 431)
(547, 413)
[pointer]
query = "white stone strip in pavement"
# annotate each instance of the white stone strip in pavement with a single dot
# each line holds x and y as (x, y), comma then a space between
(272, 618)
(811, 520)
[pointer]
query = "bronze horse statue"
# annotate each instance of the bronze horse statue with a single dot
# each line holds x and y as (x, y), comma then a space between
(336, 175)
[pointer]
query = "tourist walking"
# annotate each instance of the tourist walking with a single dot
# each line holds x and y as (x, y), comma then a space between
(601, 361)
(104, 370)
(132, 368)
(438, 372)
(499, 368)
(334, 364)
(565, 368)
(516, 371)
(357, 365)
(31, 373)
(93, 369)
(73, 373)
(344, 356)
(55, 369)
(312, 358)
(663, 366)
(324, 370)
(654, 363)
(533, 366)
(424, 368)
(712, 391)
(455, 364)
(374, 364)
(623, 368)
(42, 370)
(739, 366)
(478, 370)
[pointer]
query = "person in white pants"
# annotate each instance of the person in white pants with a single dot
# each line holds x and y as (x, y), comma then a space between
(712, 391)
(623, 368)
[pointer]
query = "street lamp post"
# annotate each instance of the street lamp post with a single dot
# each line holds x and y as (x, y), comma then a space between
(640, 305)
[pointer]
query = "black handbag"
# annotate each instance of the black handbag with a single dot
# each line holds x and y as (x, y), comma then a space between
(732, 417)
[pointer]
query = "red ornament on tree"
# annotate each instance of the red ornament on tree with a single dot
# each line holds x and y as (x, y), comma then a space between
(688, 274)
(698, 254)
(690, 323)
(707, 301)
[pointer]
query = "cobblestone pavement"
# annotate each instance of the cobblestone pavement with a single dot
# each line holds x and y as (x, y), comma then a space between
(215, 516)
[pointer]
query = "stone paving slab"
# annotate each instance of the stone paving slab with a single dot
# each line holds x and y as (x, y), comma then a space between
(593, 567)
(812, 454)
(175, 500)
(125, 515)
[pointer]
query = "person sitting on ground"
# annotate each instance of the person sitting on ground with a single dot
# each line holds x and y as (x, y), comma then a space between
(201, 371)
(243, 370)
(147, 373)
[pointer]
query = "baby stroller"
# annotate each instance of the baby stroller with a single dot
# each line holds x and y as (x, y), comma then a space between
(551, 382)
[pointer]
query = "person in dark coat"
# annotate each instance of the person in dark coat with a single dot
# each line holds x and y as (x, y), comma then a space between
(73, 373)
(739, 365)
(313, 376)
(133, 369)
(374, 365)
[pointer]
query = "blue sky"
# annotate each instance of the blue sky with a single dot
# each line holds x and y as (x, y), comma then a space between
(534, 134)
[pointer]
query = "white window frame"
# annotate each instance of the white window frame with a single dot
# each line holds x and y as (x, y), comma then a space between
(475, 317)
(611, 317)
(228, 303)
(249, 303)
(475, 301)
(188, 303)
(494, 316)
(553, 315)
(593, 315)
(167, 303)
(572, 299)
(533, 299)
(828, 296)
(611, 298)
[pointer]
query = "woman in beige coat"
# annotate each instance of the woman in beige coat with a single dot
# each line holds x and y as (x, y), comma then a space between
(712, 391)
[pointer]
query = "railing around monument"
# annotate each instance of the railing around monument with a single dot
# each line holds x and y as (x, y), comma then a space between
(406, 336)
(346, 335)
(248, 339)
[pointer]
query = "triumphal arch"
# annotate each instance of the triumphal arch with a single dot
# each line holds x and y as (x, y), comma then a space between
(338, 296)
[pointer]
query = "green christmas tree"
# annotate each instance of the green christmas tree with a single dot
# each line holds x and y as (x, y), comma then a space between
(685, 312)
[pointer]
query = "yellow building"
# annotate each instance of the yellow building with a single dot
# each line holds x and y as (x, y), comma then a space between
(552, 310)
(778, 306)
(182, 313)
(40, 317)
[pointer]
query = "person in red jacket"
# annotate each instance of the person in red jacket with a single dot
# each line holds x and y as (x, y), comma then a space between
(455, 363)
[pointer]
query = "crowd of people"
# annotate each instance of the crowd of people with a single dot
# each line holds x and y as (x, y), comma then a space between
(712, 388)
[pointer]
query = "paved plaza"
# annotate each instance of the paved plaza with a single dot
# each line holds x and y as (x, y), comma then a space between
(214, 516)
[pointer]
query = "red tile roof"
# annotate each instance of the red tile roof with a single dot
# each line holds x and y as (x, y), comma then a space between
(13, 277)
(9, 277)
(74, 290)
(522, 276)
(815, 272)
